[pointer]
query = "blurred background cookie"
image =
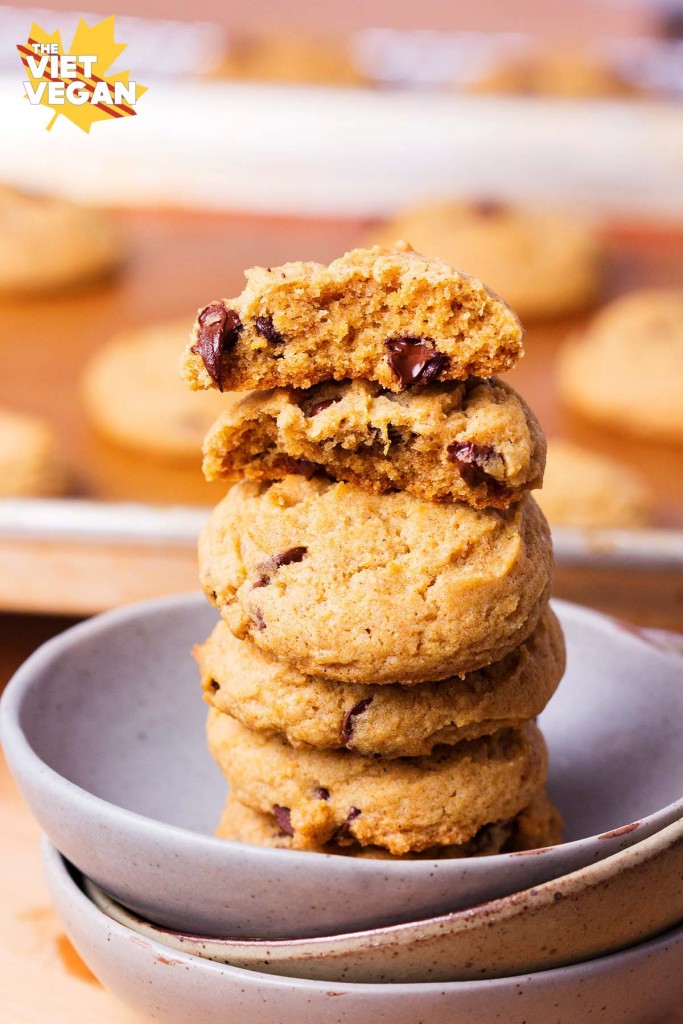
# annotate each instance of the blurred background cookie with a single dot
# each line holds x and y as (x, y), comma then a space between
(48, 243)
(582, 488)
(134, 395)
(543, 262)
(558, 72)
(626, 369)
(30, 462)
(288, 56)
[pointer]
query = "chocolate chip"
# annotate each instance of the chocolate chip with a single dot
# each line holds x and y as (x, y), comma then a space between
(488, 208)
(284, 558)
(218, 329)
(321, 793)
(349, 723)
(300, 467)
(415, 360)
(215, 687)
(473, 462)
(271, 565)
(266, 328)
(319, 406)
(344, 830)
(258, 619)
(282, 816)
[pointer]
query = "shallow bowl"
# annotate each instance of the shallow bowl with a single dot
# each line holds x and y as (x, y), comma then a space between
(103, 728)
(616, 903)
(632, 987)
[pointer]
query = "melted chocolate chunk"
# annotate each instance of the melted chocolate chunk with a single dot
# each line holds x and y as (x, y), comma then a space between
(473, 461)
(415, 360)
(344, 830)
(284, 558)
(282, 817)
(215, 687)
(271, 565)
(300, 467)
(218, 330)
(349, 723)
(319, 406)
(258, 619)
(321, 793)
(267, 329)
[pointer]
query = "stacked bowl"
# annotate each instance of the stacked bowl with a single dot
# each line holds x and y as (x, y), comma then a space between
(105, 736)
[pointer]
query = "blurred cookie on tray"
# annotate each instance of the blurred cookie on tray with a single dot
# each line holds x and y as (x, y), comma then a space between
(545, 262)
(134, 396)
(31, 465)
(556, 72)
(583, 488)
(626, 369)
(286, 56)
(48, 243)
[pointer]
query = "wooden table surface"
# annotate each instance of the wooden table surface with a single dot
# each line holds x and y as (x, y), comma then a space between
(179, 261)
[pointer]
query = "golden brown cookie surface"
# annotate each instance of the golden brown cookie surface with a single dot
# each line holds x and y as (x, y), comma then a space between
(410, 804)
(363, 587)
(538, 825)
(544, 262)
(48, 243)
(272, 698)
(135, 397)
(386, 315)
(30, 463)
(475, 441)
(583, 488)
(279, 56)
(626, 369)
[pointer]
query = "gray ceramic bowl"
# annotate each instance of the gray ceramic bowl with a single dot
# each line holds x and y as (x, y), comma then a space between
(104, 730)
(573, 918)
(638, 985)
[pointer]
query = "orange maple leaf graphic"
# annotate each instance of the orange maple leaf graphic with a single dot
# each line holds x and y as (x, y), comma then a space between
(97, 40)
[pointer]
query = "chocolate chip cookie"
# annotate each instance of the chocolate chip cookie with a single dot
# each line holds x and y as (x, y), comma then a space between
(473, 440)
(408, 804)
(48, 243)
(374, 588)
(538, 825)
(134, 397)
(273, 698)
(545, 262)
(390, 316)
(288, 56)
(31, 464)
(584, 488)
(626, 370)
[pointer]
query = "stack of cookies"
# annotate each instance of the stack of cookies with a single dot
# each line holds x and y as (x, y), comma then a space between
(381, 570)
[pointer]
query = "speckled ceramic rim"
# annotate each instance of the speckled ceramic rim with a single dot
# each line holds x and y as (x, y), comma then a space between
(59, 876)
(493, 910)
(31, 673)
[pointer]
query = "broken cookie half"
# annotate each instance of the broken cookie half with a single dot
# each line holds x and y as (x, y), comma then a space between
(475, 441)
(390, 316)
